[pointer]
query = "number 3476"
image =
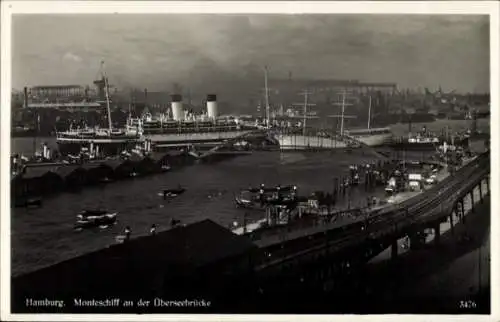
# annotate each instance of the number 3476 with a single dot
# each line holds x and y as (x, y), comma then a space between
(468, 304)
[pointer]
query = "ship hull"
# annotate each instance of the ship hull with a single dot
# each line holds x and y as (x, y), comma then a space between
(186, 139)
(376, 139)
(415, 146)
(106, 147)
(304, 142)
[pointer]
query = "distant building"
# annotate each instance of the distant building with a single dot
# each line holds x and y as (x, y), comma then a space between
(61, 97)
(329, 85)
(58, 91)
(324, 93)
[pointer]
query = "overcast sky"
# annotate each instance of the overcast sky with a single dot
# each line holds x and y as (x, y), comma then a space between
(154, 51)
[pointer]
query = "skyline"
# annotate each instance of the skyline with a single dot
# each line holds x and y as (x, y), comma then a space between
(213, 51)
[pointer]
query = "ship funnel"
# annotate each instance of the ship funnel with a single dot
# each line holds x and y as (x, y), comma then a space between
(177, 109)
(212, 106)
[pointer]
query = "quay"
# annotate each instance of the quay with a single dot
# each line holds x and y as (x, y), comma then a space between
(48, 178)
(39, 179)
(240, 275)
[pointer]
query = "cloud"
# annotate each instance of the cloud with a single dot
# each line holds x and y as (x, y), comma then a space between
(157, 50)
(70, 57)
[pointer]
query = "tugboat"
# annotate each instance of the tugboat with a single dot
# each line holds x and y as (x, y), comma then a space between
(95, 218)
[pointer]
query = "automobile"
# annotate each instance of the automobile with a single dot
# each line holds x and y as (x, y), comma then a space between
(432, 179)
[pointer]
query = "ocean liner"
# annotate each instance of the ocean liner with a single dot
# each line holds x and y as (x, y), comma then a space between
(179, 128)
(99, 141)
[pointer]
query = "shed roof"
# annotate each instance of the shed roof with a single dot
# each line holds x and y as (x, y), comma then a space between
(197, 245)
(91, 165)
(157, 156)
(66, 170)
(113, 164)
(139, 261)
(35, 172)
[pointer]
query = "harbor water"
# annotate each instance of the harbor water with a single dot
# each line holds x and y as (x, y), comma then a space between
(44, 236)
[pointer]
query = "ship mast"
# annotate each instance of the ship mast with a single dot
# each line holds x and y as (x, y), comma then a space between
(305, 112)
(267, 95)
(106, 91)
(369, 111)
(130, 105)
(304, 105)
(342, 115)
(37, 133)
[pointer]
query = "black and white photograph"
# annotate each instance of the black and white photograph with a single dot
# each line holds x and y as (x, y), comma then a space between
(215, 159)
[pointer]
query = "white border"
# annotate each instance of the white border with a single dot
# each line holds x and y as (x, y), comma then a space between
(423, 7)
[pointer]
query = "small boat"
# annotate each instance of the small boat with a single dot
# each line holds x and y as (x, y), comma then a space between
(245, 201)
(95, 218)
(172, 192)
(174, 222)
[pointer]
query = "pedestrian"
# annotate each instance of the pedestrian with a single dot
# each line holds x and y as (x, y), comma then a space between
(152, 231)
(128, 232)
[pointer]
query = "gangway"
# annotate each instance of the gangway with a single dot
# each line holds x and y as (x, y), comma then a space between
(224, 144)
